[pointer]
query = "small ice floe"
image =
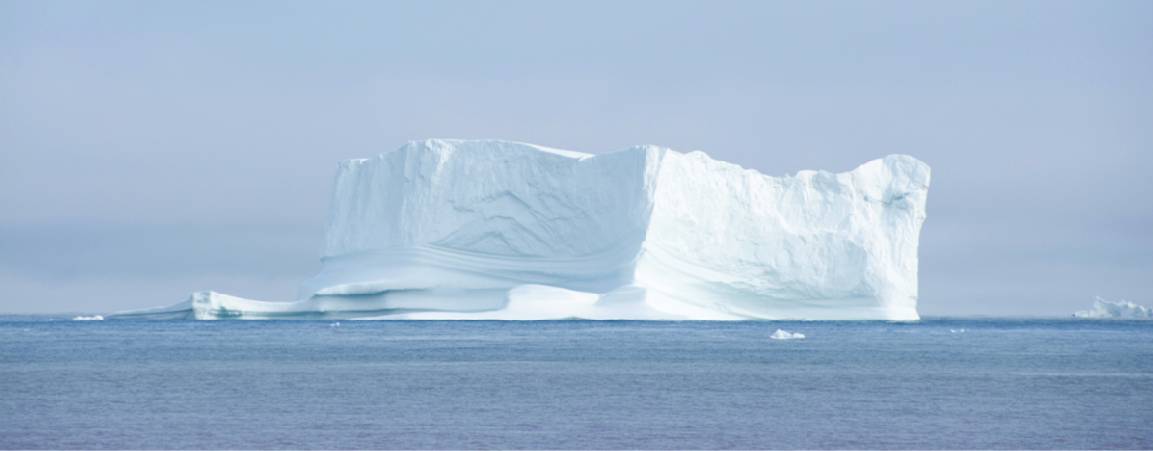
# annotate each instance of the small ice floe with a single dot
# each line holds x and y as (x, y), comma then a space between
(336, 324)
(782, 334)
(88, 318)
(957, 331)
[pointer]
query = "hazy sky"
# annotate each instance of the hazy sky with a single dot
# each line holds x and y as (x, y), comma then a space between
(150, 149)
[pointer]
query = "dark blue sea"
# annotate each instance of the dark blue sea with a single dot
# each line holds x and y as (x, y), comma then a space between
(932, 384)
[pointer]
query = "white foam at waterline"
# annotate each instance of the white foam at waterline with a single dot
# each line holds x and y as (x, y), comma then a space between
(88, 318)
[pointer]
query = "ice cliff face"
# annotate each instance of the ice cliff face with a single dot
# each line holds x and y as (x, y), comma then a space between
(815, 246)
(494, 229)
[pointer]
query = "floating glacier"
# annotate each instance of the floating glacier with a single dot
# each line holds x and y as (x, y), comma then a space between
(1103, 309)
(476, 229)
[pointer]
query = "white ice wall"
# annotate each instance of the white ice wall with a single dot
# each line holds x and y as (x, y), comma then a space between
(484, 215)
(817, 245)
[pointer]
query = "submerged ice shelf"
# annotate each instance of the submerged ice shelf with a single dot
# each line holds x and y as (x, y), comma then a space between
(478, 229)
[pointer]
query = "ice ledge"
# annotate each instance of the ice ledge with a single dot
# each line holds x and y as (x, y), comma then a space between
(522, 303)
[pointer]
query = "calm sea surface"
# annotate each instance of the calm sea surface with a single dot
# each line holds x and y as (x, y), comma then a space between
(575, 384)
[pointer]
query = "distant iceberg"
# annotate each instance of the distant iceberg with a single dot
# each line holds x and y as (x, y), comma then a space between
(782, 334)
(477, 229)
(1103, 309)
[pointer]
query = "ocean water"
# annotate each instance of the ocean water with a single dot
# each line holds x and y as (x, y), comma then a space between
(575, 384)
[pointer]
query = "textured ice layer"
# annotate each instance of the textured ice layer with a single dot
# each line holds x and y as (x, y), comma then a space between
(453, 229)
(1103, 309)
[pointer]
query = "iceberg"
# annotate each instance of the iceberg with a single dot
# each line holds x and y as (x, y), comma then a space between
(1103, 309)
(782, 334)
(487, 229)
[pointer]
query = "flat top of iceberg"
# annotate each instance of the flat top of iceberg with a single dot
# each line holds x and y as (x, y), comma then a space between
(439, 143)
(453, 145)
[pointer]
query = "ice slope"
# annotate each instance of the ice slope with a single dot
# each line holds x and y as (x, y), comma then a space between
(1103, 309)
(476, 229)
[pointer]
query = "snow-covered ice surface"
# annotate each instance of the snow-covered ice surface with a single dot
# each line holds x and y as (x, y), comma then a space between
(481, 229)
(1103, 309)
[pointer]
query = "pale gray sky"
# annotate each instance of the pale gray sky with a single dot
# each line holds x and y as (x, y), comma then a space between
(150, 149)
